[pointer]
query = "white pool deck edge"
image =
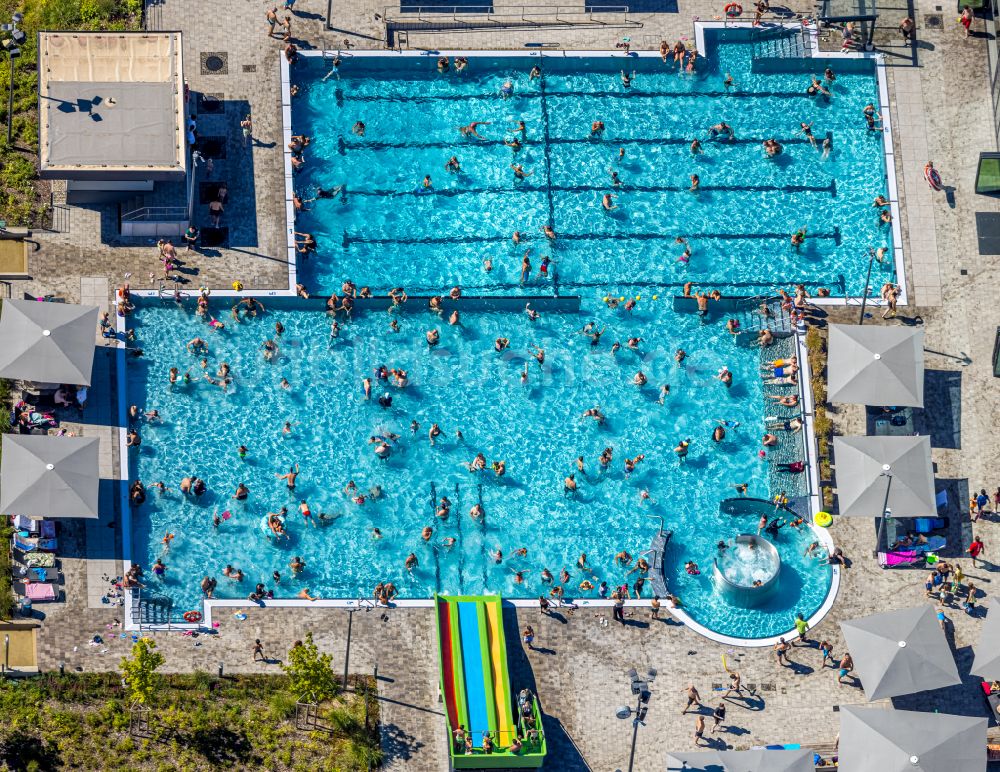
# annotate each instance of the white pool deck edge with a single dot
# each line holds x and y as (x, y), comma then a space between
(822, 535)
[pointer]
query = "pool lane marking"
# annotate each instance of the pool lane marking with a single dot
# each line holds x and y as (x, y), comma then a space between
(546, 152)
(835, 235)
(434, 546)
(631, 93)
(343, 146)
(461, 553)
(625, 188)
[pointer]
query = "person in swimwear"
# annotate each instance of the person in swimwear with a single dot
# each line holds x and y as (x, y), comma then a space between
(470, 129)
(806, 129)
(721, 129)
(293, 471)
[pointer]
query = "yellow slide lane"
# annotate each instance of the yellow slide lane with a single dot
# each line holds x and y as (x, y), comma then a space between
(501, 690)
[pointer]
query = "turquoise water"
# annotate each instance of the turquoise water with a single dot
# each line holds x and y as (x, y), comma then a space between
(384, 233)
(537, 428)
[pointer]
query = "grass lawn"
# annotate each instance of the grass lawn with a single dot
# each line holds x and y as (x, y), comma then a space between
(197, 722)
(23, 197)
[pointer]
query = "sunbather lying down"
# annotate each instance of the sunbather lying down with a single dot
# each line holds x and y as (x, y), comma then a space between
(910, 540)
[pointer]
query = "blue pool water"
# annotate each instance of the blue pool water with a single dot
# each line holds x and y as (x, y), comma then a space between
(462, 384)
(384, 233)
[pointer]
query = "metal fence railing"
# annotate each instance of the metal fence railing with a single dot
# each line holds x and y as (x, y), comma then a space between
(156, 214)
(484, 16)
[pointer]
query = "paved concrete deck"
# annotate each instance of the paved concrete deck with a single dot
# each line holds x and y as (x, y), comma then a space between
(579, 663)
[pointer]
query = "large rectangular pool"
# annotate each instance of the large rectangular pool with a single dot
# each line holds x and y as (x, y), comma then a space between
(369, 474)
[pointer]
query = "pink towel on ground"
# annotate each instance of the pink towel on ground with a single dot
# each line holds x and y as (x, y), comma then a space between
(40, 591)
(898, 558)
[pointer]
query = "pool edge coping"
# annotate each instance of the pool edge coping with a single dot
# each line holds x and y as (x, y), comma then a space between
(291, 291)
(209, 605)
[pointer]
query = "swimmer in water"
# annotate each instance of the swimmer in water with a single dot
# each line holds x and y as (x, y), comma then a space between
(806, 129)
(608, 202)
(878, 254)
(470, 130)
(723, 130)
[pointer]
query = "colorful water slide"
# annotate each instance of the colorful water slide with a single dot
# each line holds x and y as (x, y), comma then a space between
(476, 689)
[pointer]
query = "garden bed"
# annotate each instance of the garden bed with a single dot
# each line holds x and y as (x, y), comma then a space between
(198, 722)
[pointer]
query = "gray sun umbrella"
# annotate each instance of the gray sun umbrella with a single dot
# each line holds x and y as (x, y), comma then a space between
(872, 365)
(900, 652)
(45, 476)
(876, 740)
(986, 662)
(799, 760)
(871, 468)
(47, 342)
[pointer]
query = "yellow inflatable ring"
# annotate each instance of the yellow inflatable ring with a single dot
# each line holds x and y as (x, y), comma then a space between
(823, 519)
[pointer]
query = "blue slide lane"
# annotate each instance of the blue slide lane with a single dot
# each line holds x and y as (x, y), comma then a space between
(472, 661)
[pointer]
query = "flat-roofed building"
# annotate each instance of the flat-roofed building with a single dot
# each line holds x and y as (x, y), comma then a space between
(112, 113)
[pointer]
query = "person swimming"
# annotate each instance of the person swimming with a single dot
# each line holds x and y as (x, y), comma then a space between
(470, 129)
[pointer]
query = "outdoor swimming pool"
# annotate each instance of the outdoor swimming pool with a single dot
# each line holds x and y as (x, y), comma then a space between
(384, 229)
(462, 384)
(379, 232)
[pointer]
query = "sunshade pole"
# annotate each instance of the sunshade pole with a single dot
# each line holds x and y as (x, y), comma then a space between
(868, 284)
(885, 506)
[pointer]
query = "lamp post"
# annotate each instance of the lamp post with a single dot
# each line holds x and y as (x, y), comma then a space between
(640, 689)
(10, 44)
